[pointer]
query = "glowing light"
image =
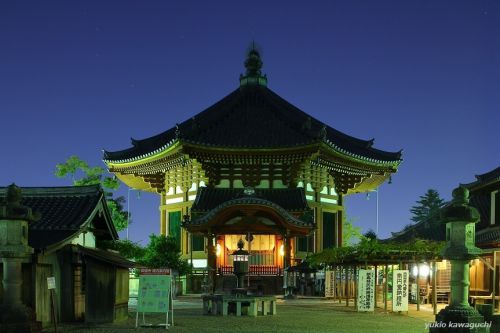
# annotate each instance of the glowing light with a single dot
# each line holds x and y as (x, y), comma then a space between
(218, 250)
(423, 269)
(282, 250)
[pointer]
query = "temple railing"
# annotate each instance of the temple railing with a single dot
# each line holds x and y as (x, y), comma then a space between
(254, 270)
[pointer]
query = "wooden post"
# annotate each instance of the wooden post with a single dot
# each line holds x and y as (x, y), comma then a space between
(434, 291)
(386, 285)
(418, 288)
(342, 286)
(494, 282)
(192, 266)
(347, 286)
(355, 287)
(53, 309)
(376, 289)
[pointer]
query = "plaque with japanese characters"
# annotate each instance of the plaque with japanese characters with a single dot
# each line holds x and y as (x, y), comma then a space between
(400, 290)
(366, 290)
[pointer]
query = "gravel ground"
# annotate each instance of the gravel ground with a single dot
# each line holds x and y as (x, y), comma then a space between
(306, 315)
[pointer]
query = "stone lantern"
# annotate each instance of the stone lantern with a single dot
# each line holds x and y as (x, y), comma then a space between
(460, 219)
(240, 262)
(14, 250)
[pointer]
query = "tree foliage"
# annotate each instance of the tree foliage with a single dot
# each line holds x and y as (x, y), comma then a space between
(351, 234)
(127, 248)
(373, 251)
(164, 251)
(82, 174)
(427, 207)
(160, 252)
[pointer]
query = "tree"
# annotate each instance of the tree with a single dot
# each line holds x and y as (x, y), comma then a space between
(164, 251)
(82, 174)
(427, 208)
(370, 235)
(126, 248)
(351, 234)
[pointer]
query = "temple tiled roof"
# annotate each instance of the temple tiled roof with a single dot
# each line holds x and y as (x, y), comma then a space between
(484, 179)
(105, 256)
(253, 117)
(291, 199)
(488, 236)
(64, 212)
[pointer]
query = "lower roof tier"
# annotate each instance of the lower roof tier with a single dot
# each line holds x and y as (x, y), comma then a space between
(232, 211)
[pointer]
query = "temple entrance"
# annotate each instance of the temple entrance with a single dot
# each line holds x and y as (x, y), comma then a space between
(265, 228)
(265, 261)
(264, 250)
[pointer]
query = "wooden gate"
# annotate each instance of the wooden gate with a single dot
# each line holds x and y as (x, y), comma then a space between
(100, 292)
(42, 294)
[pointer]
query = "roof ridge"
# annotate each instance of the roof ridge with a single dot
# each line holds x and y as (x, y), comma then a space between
(63, 190)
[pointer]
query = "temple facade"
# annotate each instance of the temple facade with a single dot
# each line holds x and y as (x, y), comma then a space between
(252, 167)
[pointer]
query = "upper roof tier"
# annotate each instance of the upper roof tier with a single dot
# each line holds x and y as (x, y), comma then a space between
(252, 117)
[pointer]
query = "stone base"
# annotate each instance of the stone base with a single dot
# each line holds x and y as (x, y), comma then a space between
(19, 319)
(460, 319)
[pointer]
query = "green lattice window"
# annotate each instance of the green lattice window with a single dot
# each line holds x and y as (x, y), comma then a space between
(328, 230)
(174, 226)
(198, 243)
(305, 244)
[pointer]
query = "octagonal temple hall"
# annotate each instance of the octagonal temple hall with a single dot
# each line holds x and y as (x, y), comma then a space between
(253, 167)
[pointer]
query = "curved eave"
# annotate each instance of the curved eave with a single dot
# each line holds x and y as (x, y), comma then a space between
(216, 216)
(335, 150)
(142, 158)
(175, 145)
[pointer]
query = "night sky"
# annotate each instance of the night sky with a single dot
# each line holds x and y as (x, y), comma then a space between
(77, 77)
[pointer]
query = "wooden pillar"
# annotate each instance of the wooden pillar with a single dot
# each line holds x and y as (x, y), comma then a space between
(287, 249)
(339, 228)
(211, 261)
(191, 257)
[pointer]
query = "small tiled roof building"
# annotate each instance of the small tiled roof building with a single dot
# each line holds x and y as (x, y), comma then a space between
(91, 284)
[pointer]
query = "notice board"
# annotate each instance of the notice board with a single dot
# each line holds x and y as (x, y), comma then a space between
(155, 292)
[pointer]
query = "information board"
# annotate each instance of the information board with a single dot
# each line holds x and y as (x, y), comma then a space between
(400, 290)
(366, 290)
(154, 293)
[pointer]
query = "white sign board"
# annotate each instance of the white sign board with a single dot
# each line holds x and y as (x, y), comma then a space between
(400, 290)
(51, 282)
(330, 284)
(366, 290)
